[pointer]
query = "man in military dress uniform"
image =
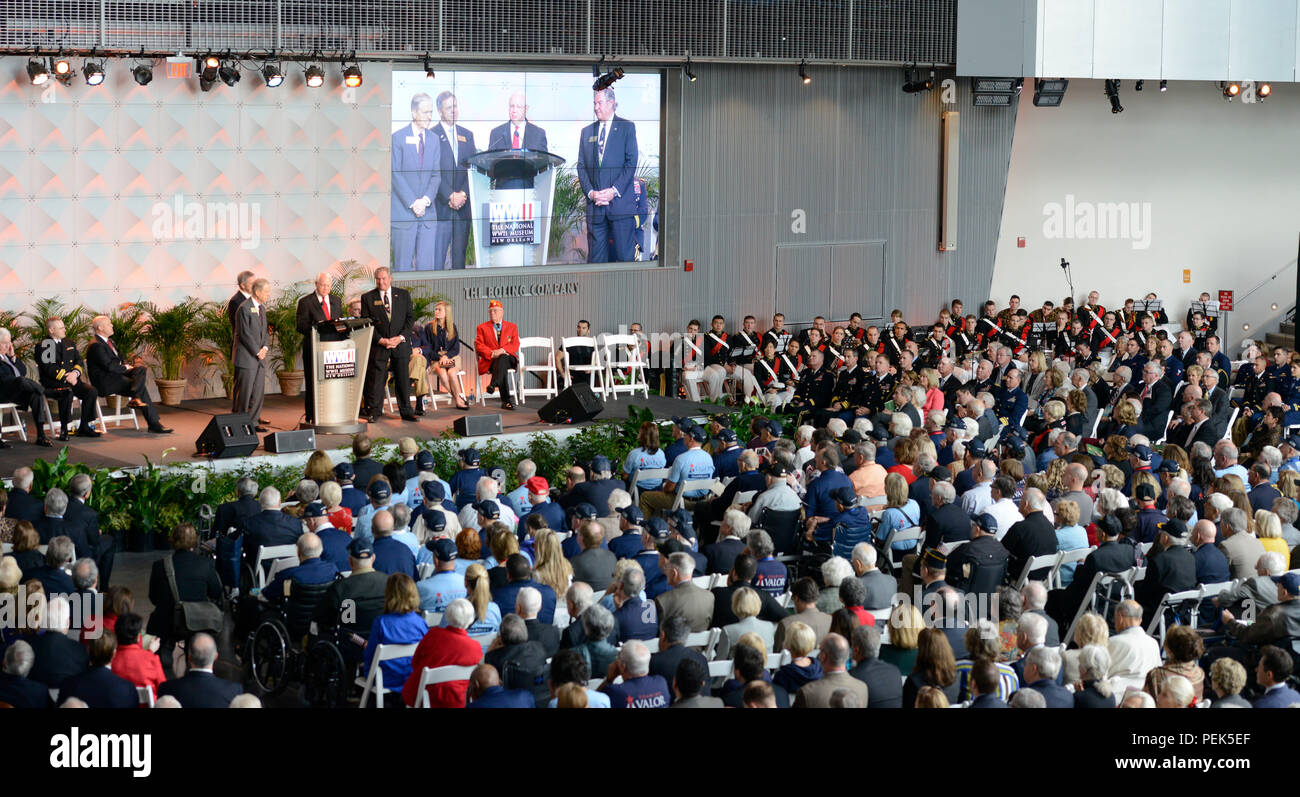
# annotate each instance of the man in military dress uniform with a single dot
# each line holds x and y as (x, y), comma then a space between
(847, 395)
(878, 387)
(63, 375)
(814, 389)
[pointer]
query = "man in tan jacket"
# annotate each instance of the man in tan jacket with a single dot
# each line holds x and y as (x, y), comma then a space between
(834, 658)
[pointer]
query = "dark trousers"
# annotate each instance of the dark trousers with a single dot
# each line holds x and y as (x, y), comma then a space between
(309, 387)
(602, 228)
(452, 236)
(104, 556)
(132, 384)
(27, 393)
(64, 395)
(382, 361)
(498, 370)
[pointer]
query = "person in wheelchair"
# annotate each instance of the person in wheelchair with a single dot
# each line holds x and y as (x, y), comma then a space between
(851, 523)
(351, 605)
(311, 569)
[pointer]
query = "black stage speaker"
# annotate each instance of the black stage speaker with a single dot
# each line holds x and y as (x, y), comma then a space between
(574, 405)
(477, 425)
(287, 442)
(227, 436)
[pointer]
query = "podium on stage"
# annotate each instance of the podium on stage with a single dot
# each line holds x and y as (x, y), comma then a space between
(340, 355)
(511, 192)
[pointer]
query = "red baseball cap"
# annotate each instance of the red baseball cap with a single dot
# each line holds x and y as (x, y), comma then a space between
(538, 486)
(495, 303)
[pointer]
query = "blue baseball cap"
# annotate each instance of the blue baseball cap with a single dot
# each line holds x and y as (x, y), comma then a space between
(443, 549)
(657, 528)
(727, 436)
(632, 512)
(1289, 581)
(774, 426)
(682, 423)
(976, 448)
(683, 523)
(435, 520)
(1141, 452)
(424, 460)
(600, 464)
(1293, 441)
(955, 423)
(361, 548)
(433, 490)
(487, 508)
(697, 434)
(879, 432)
(469, 456)
(344, 470)
(585, 511)
(380, 490)
(314, 509)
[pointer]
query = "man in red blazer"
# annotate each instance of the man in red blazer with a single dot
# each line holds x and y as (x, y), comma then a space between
(497, 345)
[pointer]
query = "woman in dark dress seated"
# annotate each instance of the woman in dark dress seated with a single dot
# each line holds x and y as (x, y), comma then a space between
(444, 345)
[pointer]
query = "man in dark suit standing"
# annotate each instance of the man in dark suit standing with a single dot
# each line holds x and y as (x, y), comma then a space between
(63, 375)
(516, 134)
(389, 309)
(415, 185)
(607, 158)
(199, 688)
(16, 388)
(252, 345)
(245, 290)
(111, 377)
(455, 145)
(316, 308)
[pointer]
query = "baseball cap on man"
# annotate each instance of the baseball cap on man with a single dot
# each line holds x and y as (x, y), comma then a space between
(314, 509)
(1289, 581)
(537, 485)
(443, 549)
(469, 456)
(433, 491)
(380, 490)
(487, 508)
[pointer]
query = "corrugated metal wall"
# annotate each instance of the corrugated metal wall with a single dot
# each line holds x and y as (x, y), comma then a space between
(851, 150)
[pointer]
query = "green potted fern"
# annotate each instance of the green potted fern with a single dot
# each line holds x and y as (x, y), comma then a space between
(282, 320)
(172, 335)
(217, 343)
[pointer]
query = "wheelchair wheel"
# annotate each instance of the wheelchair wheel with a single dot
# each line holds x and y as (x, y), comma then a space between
(326, 677)
(268, 656)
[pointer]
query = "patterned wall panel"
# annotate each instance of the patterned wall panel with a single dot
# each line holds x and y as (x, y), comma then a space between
(121, 192)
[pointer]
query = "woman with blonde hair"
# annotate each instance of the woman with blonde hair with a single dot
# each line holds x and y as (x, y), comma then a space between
(487, 615)
(1288, 484)
(930, 697)
(552, 569)
(934, 399)
(1054, 475)
(340, 517)
(1268, 528)
(746, 604)
(905, 624)
(1090, 630)
(444, 346)
(319, 468)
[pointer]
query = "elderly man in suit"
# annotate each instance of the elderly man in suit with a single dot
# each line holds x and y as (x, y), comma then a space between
(390, 310)
(455, 145)
(416, 178)
(17, 388)
(607, 159)
(316, 308)
(496, 341)
(517, 133)
(252, 345)
(834, 658)
(199, 687)
(243, 292)
(110, 376)
(683, 597)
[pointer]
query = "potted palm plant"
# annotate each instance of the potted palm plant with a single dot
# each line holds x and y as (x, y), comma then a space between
(76, 320)
(172, 335)
(128, 328)
(282, 319)
(217, 342)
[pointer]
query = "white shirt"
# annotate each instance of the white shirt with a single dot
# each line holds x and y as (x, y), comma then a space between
(977, 500)
(779, 497)
(451, 140)
(1005, 513)
(1132, 655)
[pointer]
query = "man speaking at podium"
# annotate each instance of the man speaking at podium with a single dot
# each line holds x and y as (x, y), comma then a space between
(313, 309)
(607, 156)
(516, 134)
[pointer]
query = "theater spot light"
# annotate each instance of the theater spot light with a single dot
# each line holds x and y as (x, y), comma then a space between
(93, 72)
(1112, 94)
(1138, 85)
(272, 75)
(913, 83)
(608, 79)
(143, 74)
(38, 72)
(803, 72)
(690, 74)
(229, 73)
(1164, 85)
(352, 76)
(1231, 90)
(63, 70)
(1262, 90)
(208, 73)
(428, 67)
(315, 76)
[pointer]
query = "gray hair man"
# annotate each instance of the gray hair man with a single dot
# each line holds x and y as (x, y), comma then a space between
(834, 658)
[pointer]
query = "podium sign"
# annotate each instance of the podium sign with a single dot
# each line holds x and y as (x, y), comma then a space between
(341, 352)
(512, 192)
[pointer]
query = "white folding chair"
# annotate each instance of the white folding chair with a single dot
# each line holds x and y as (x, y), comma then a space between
(690, 486)
(1037, 563)
(595, 369)
(484, 640)
(894, 558)
(1156, 627)
(17, 425)
(721, 669)
(119, 409)
(1168, 420)
(623, 353)
(145, 694)
(430, 676)
(645, 475)
(445, 393)
(546, 372)
(692, 369)
(270, 553)
(483, 379)
(374, 682)
(1065, 558)
(1227, 432)
(432, 619)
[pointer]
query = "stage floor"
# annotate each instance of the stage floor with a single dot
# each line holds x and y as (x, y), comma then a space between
(126, 447)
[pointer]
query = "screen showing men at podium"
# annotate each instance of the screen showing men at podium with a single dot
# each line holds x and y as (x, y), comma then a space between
(498, 169)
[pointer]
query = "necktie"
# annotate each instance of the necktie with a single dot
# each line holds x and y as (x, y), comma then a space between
(420, 149)
(388, 308)
(1146, 391)
(109, 341)
(600, 153)
(325, 305)
(498, 329)
(516, 138)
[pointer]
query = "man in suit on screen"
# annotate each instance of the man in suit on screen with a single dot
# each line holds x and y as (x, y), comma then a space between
(518, 133)
(607, 158)
(416, 159)
(455, 144)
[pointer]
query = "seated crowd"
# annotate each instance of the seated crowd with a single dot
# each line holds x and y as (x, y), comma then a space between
(991, 515)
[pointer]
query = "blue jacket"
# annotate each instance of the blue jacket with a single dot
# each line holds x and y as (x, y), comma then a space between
(393, 556)
(335, 542)
(673, 450)
(500, 697)
(656, 583)
(726, 463)
(269, 527)
(354, 499)
(636, 619)
(819, 501)
(648, 691)
(505, 598)
(552, 512)
(100, 688)
(394, 629)
(463, 486)
(1278, 698)
(312, 571)
(1057, 696)
(627, 545)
